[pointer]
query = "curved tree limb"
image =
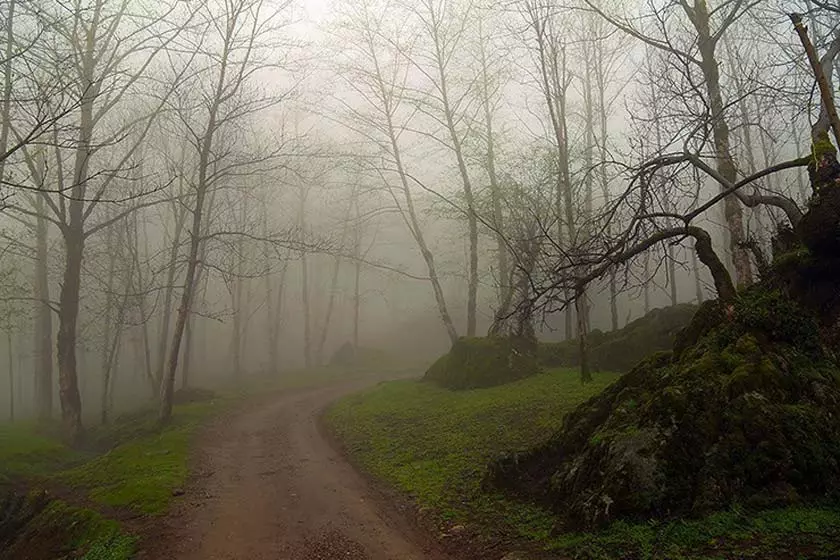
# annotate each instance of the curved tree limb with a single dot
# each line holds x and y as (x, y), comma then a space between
(705, 252)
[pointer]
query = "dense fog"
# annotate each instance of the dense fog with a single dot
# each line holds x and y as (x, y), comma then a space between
(196, 192)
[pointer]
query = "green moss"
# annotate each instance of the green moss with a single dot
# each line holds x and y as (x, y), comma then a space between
(778, 317)
(143, 472)
(822, 146)
(483, 362)
(621, 350)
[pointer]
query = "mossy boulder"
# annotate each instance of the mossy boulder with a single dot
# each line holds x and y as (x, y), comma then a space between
(746, 412)
(484, 362)
(622, 349)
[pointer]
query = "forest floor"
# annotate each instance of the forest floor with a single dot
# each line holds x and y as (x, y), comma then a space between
(267, 483)
(432, 445)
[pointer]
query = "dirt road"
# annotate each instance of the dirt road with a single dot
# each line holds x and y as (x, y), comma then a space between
(268, 485)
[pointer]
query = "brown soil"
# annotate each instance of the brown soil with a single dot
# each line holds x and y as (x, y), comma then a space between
(268, 484)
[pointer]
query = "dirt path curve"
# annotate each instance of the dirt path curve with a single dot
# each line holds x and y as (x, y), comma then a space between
(268, 485)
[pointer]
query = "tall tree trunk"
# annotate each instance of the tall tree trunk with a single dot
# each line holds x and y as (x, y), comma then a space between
(412, 221)
(554, 84)
(322, 338)
(141, 306)
(304, 284)
(169, 291)
(168, 383)
(720, 131)
(441, 59)
(241, 310)
(71, 401)
(646, 288)
(6, 107)
(196, 231)
(112, 361)
(201, 281)
(277, 319)
(238, 312)
(583, 342)
(107, 324)
(307, 313)
(187, 358)
(357, 301)
(274, 308)
(672, 274)
(43, 320)
(504, 291)
(588, 162)
(357, 270)
(698, 285)
(11, 366)
(601, 79)
(74, 244)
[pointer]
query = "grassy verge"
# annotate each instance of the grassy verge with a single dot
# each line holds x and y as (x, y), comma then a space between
(433, 445)
(140, 471)
(143, 472)
(48, 528)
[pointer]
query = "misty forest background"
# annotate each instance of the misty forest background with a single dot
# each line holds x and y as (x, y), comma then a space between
(206, 190)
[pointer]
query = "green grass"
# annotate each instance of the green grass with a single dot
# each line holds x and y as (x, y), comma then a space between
(26, 453)
(433, 445)
(60, 530)
(790, 533)
(142, 473)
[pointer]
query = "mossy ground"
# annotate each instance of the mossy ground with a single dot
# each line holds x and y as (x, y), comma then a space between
(143, 472)
(433, 445)
(131, 464)
(139, 472)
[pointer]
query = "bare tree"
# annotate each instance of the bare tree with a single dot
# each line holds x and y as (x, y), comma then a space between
(103, 82)
(378, 72)
(701, 53)
(243, 31)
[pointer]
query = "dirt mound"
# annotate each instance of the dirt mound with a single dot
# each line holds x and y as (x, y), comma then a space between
(484, 362)
(622, 349)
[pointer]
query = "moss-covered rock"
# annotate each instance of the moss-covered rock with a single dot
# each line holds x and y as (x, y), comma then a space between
(484, 362)
(622, 349)
(745, 412)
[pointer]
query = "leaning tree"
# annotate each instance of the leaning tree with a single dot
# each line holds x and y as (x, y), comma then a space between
(743, 410)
